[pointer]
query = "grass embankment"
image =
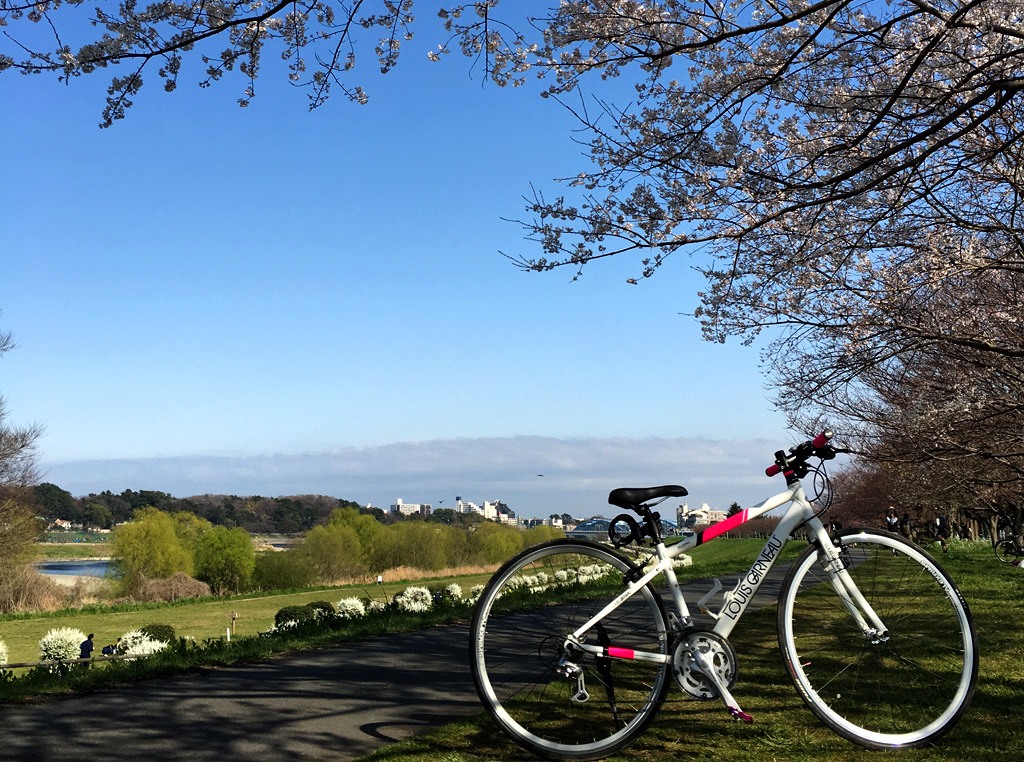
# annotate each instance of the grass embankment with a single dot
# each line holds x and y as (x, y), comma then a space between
(201, 620)
(784, 729)
(210, 618)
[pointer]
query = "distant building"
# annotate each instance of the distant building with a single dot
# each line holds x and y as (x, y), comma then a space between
(495, 510)
(688, 518)
(410, 509)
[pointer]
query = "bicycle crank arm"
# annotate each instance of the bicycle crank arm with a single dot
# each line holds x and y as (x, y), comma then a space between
(707, 668)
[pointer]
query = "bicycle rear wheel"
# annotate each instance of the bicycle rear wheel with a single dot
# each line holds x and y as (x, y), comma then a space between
(902, 688)
(558, 701)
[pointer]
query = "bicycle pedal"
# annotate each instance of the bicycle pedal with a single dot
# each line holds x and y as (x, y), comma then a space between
(739, 714)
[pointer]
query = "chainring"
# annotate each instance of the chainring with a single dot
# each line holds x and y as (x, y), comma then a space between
(689, 676)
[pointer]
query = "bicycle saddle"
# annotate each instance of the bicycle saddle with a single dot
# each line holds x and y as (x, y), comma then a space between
(630, 498)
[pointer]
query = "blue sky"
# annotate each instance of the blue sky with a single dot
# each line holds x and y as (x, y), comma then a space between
(270, 301)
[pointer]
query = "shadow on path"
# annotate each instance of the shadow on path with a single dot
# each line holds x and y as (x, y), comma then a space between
(333, 704)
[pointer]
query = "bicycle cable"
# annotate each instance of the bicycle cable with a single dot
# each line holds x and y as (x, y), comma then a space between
(821, 488)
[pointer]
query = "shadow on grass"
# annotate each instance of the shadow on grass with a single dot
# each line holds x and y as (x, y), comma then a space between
(784, 728)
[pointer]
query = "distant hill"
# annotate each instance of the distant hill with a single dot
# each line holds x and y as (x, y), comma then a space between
(286, 515)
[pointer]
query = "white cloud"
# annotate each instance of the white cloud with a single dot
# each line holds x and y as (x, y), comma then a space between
(577, 473)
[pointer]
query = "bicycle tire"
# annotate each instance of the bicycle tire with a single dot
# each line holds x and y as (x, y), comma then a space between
(517, 640)
(1007, 552)
(904, 689)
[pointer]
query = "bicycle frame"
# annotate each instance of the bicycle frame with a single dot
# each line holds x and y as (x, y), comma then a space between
(738, 599)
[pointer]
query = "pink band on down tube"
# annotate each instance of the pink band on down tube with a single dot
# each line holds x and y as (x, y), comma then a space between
(620, 653)
(724, 526)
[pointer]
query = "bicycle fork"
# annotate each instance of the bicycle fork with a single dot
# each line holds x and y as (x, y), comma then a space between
(864, 616)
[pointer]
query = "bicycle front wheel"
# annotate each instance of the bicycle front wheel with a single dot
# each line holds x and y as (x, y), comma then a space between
(900, 688)
(548, 695)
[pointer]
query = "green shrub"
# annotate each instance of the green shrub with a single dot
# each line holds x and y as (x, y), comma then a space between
(161, 632)
(321, 609)
(282, 570)
(297, 614)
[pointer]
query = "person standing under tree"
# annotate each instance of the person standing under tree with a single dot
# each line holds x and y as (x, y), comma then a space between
(906, 526)
(942, 532)
(892, 521)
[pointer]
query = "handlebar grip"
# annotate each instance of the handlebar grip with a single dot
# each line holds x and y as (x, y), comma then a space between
(773, 469)
(822, 439)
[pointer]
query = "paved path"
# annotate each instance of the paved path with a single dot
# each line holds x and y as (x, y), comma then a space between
(334, 704)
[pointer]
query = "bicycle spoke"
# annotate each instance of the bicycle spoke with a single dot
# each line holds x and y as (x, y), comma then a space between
(902, 687)
(549, 696)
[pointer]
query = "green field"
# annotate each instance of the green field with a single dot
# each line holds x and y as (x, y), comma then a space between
(202, 620)
(52, 551)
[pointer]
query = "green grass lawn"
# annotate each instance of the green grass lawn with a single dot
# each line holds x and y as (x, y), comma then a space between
(201, 620)
(50, 551)
(784, 729)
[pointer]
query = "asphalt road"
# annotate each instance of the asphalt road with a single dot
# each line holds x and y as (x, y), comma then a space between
(334, 704)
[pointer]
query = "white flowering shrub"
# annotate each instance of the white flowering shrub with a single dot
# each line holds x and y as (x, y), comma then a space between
(475, 592)
(681, 562)
(60, 643)
(515, 583)
(146, 646)
(350, 608)
(583, 574)
(291, 624)
(137, 643)
(3, 652)
(129, 639)
(453, 592)
(376, 607)
(414, 599)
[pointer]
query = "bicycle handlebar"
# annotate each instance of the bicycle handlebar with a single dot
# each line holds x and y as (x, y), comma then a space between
(797, 459)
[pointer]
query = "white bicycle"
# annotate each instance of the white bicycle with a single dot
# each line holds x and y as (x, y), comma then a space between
(573, 651)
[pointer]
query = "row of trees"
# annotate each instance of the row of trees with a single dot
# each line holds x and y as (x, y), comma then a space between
(350, 545)
(254, 514)
(156, 545)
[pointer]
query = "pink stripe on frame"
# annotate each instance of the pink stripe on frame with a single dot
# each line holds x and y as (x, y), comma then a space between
(724, 526)
(620, 653)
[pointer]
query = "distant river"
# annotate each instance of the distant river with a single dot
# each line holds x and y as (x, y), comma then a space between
(78, 568)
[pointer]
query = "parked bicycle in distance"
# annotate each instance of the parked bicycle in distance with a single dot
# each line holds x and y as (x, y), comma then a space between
(1010, 550)
(573, 649)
